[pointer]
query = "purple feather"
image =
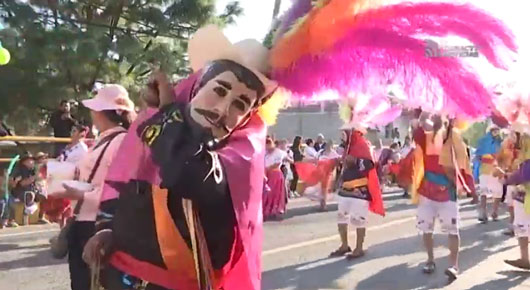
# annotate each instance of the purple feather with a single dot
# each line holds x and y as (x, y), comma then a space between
(298, 10)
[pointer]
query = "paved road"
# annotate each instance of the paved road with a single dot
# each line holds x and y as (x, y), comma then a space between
(295, 254)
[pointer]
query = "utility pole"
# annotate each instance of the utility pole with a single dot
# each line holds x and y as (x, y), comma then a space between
(276, 10)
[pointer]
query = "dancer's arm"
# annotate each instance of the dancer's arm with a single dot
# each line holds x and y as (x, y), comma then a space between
(522, 175)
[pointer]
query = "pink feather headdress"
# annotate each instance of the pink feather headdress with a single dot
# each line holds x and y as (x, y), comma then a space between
(513, 104)
(362, 47)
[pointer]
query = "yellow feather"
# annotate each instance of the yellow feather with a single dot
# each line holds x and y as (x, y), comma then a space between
(269, 111)
(345, 112)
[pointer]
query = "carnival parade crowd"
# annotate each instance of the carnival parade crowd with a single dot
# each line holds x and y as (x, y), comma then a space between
(174, 195)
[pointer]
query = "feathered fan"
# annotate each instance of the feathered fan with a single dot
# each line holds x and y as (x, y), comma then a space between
(362, 47)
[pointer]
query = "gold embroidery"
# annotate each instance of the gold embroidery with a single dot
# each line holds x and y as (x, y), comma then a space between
(352, 184)
(151, 133)
(175, 116)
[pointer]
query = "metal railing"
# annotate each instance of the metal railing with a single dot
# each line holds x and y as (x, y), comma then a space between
(21, 140)
(38, 139)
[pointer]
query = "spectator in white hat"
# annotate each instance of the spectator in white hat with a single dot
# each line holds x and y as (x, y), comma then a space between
(112, 112)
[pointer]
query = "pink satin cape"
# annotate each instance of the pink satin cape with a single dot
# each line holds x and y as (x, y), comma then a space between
(243, 160)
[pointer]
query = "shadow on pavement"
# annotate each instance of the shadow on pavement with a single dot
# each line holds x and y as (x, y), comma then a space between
(314, 208)
(305, 210)
(511, 279)
(477, 243)
(11, 247)
(34, 259)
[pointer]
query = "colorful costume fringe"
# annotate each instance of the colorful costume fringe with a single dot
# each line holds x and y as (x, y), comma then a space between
(312, 174)
(348, 46)
(359, 148)
(452, 156)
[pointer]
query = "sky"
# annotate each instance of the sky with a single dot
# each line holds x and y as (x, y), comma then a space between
(255, 21)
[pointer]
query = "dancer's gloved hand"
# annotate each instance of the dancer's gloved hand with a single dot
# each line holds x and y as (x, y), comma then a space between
(98, 248)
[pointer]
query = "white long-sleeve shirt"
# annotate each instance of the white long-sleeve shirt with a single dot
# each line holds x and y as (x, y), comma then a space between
(75, 153)
(310, 153)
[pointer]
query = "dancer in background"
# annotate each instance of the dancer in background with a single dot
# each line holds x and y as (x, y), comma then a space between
(506, 159)
(317, 176)
(521, 203)
(487, 173)
(329, 177)
(274, 200)
(441, 167)
(359, 193)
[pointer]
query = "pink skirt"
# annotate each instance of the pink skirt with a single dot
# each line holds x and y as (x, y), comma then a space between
(274, 200)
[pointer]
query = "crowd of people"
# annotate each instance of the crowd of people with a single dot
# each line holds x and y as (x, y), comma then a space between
(289, 159)
(305, 155)
(27, 180)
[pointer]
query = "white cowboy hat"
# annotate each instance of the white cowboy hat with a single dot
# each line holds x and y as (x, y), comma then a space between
(354, 126)
(209, 44)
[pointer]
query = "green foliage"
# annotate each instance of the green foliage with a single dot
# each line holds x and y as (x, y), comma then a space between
(475, 132)
(61, 48)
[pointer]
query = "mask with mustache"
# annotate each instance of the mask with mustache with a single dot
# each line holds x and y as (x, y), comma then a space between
(227, 95)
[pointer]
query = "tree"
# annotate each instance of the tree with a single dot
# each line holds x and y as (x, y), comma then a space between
(269, 38)
(62, 48)
(276, 9)
(475, 132)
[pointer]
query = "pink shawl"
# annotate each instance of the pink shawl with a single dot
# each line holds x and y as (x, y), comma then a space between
(243, 160)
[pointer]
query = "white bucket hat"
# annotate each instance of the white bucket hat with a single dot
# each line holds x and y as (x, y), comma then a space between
(110, 97)
(210, 44)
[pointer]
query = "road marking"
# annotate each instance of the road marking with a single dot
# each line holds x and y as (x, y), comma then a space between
(331, 238)
(28, 233)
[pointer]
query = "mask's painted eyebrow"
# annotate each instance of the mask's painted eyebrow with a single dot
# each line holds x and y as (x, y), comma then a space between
(246, 99)
(225, 84)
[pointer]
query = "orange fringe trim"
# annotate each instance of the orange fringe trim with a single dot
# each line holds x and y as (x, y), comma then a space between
(324, 25)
